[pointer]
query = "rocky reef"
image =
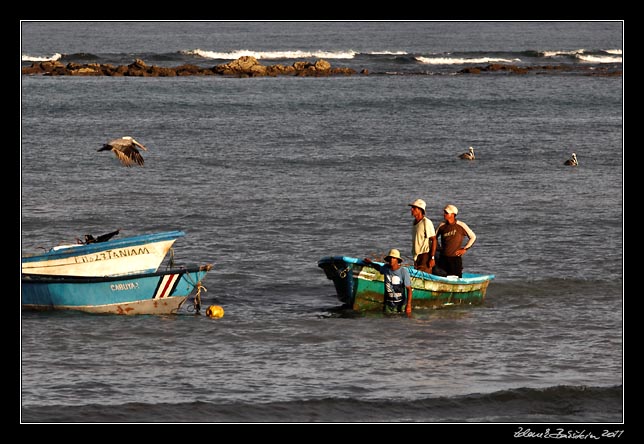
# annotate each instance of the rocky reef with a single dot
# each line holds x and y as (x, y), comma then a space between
(544, 69)
(246, 66)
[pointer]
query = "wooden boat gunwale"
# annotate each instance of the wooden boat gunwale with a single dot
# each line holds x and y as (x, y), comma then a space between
(65, 279)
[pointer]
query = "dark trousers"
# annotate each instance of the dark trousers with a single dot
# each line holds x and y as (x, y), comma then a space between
(422, 262)
(449, 266)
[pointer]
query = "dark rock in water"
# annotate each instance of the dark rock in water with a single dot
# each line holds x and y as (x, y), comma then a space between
(514, 69)
(246, 66)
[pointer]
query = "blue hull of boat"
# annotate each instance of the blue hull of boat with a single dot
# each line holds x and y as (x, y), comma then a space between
(160, 292)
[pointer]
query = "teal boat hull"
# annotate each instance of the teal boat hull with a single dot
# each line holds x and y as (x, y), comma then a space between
(161, 292)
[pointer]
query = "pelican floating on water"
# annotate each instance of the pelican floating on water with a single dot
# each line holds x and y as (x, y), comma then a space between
(126, 150)
(572, 161)
(467, 156)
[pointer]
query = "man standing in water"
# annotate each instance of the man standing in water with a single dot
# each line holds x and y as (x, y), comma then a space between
(397, 280)
(423, 238)
(451, 233)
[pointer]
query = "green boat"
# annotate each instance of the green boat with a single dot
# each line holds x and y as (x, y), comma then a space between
(360, 286)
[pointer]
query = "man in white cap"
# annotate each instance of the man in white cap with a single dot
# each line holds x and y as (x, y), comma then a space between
(423, 237)
(451, 233)
(397, 279)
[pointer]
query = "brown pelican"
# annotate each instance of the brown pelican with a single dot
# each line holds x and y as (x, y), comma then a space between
(467, 156)
(572, 161)
(126, 150)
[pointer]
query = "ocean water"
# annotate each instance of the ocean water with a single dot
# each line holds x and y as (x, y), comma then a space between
(268, 175)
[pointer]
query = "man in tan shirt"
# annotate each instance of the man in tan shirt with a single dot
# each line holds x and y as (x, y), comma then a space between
(423, 237)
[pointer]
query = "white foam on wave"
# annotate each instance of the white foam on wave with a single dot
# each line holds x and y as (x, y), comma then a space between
(581, 54)
(453, 61)
(556, 53)
(29, 58)
(599, 59)
(270, 55)
(387, 53)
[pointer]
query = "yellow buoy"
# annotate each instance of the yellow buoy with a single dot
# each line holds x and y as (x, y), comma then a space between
(215, 311)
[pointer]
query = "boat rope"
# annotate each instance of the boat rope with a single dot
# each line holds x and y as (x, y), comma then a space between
(196, 301)
(342, 273)
(171, 259)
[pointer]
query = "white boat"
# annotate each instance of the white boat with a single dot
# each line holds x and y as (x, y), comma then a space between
(136, 254)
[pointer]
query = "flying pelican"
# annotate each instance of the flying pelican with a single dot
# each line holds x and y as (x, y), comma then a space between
(467, 156)
(126, 150)
(572, 161)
